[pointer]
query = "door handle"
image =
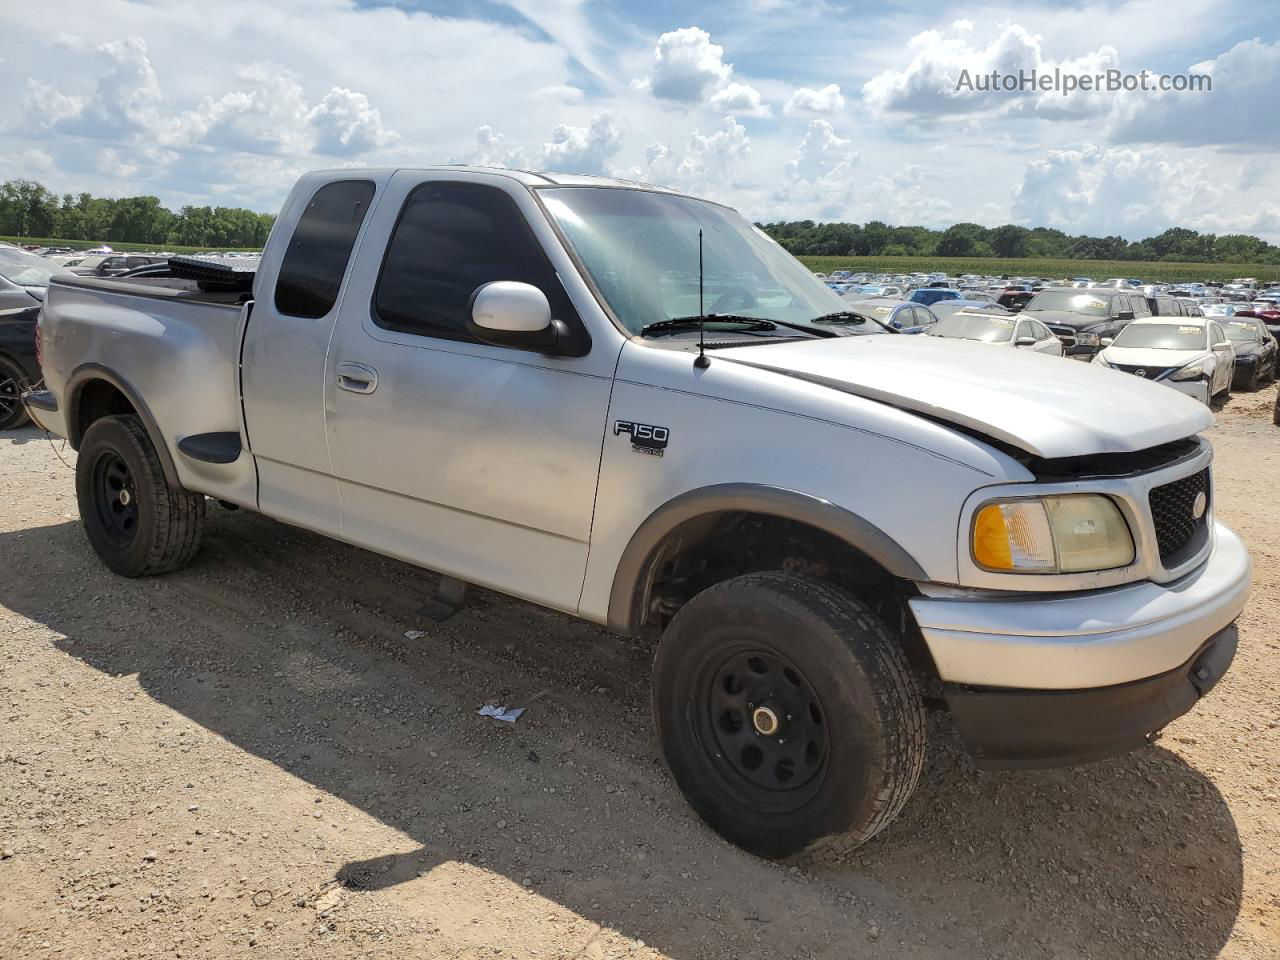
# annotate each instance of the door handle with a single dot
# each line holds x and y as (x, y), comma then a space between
(356, 377)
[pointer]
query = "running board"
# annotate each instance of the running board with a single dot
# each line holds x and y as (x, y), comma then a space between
(211, 447)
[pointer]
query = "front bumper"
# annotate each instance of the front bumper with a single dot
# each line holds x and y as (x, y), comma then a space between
(1091, 638)
(1196, 389)
(1005, 729)
(1044, 680)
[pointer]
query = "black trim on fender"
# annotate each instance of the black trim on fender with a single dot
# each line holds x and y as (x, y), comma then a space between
(96, 371)
(1005, 728)
(41, 400)
(630, 580)
(222, 447)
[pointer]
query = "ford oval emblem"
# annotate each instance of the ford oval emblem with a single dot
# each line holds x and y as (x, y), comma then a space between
(1139, 373)
(1198, 505)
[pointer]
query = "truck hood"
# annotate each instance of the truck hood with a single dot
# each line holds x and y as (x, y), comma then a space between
(1048, 406)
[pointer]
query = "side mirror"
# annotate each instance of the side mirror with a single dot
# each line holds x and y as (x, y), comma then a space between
(1107, 341)
(1124, 316)
(507, 313)
(1025, 342)
(896, 324)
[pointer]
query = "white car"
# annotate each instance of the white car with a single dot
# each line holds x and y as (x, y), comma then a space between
(1001, 331)
(1190, 354)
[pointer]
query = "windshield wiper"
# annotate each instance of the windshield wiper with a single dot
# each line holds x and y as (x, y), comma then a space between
(748, 323)
(848, 316)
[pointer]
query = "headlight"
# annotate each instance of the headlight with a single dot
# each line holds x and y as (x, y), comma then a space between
(1087, 339)
(1067, 534)
(1193, 372)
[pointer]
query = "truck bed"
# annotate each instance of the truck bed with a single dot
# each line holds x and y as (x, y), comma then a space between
(161, 288)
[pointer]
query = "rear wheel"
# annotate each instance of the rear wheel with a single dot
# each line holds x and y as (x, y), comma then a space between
(787, 714)
(12, 382)
(135, 522)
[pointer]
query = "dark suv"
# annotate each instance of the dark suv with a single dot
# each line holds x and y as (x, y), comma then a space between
(1081, 317)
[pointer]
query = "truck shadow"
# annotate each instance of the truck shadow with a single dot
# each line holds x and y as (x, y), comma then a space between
(292, 647)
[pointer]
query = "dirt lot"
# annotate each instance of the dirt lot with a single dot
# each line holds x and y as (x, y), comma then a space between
(250, 758)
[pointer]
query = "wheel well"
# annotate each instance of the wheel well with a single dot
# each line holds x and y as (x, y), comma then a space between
(94, 400)
(713, 547)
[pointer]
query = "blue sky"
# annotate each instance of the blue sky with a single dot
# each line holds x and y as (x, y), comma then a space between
(807, 110)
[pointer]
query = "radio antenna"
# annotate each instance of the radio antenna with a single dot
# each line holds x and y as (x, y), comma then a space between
(701, 361)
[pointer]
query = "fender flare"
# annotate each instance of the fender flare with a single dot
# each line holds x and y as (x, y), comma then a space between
(86, 372)
(626, 598)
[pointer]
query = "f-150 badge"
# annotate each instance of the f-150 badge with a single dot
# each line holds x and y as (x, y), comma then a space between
(645, 438)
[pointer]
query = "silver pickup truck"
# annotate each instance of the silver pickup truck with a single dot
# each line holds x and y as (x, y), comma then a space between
(629, 405)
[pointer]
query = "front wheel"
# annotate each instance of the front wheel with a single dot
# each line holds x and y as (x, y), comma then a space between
(135, 522)
(787, 714)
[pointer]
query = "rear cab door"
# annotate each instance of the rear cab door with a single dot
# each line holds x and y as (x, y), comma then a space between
(299, 286)
(475, 460)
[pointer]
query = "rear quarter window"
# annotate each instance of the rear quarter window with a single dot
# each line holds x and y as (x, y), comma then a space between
(320, 248)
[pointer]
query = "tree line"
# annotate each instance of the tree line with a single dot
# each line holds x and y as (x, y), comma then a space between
(27, 209)
(807, 238)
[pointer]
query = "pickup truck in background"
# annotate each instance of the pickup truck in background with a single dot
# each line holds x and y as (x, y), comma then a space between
(500, 376)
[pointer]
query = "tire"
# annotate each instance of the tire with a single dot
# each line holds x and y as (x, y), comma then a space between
(836, 680)
(12, 382)
(135, 522)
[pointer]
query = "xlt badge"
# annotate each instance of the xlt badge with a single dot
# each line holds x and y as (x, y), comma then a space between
(645, 438)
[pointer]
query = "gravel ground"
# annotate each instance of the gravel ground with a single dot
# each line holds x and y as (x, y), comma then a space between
(249, 757)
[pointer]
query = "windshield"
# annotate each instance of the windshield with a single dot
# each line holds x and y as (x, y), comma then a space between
(1087, 304)
(969, 326)
(1240, 330)
(641, 250)
(26, 269)
(1162, 336)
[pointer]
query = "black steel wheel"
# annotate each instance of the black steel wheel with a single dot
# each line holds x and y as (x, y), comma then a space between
(115, 498)
(136, 523)
(764, 725)
(12, 383)
(787, 714)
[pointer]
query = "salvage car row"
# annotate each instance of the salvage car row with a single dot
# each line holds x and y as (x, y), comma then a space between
(1202, 351)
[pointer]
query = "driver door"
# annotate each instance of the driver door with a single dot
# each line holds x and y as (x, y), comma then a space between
(474, 460)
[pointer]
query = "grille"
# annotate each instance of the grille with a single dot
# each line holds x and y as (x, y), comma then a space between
(1150, 373)
(1171, 512)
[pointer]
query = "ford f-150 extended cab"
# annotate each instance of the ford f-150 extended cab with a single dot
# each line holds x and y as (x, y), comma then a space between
(630, 405)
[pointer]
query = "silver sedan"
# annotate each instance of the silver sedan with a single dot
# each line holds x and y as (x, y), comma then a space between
(1011, 331)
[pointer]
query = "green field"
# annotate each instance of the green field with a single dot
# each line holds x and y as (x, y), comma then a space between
(114, 245)
(1095, 269)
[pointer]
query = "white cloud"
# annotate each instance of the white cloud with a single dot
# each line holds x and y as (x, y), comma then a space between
(826, 100)
(708, 165)
(687, 66)
(1243, 79)
(822, 154)
(740, 99)
(945, 70)
(125, 101)
(492, 150)
(1115, 191)
(346, 124)
(583, 149)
